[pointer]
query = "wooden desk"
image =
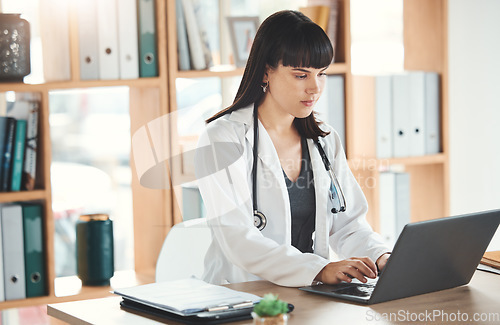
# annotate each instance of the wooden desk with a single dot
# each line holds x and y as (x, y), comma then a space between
(481, 298)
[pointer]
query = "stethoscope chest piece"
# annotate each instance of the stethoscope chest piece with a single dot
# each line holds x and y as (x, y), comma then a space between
(259, 220)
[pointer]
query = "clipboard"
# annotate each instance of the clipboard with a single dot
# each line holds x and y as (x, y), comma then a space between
(206, 318)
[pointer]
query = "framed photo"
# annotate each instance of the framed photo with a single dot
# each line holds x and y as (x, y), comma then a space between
(242, 31)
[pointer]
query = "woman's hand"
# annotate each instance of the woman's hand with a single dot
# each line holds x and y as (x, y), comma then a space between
(382, 261)
(345, 270)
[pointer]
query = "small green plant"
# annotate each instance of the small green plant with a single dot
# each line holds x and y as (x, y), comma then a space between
(270, 305)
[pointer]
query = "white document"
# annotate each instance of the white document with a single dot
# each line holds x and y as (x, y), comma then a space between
(401, 115)
(387, 190)
(417, 112)
(108, 39)
(13, 251)
(187, 296)
(88, 40)
(127, 39)
(432, 114)
(383, 116)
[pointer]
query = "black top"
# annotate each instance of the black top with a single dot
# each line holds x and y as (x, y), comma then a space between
(303, 203)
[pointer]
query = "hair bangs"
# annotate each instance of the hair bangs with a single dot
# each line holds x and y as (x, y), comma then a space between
(306, 46)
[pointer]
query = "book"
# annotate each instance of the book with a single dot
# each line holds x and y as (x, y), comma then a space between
(13, 251)
(8, 151)
(333, 20)
(2, 278)
(18, 155)
(194, 39)
(200, 12)
(182, 40)
(491, 259)
(34, 250)
(29, 170)
(148, 61)
(318, 14)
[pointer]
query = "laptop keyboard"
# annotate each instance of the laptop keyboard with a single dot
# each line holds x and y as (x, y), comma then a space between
(358, 290)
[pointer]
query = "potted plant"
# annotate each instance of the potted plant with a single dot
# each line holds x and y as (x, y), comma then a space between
(270, 311)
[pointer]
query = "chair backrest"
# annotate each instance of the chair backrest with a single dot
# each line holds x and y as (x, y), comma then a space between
(183, 252)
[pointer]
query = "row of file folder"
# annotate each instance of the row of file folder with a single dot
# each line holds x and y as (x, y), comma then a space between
(22, 260)
(117, 39)
(395, 204)
(407, 110)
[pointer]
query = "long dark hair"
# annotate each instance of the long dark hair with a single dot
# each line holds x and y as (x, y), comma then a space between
(294, 40)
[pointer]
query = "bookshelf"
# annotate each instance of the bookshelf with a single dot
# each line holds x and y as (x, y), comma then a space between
(148, 100)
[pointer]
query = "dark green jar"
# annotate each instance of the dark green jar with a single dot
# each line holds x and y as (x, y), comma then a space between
(95, 257)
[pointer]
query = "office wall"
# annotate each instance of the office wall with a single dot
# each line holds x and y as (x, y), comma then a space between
(474, 81)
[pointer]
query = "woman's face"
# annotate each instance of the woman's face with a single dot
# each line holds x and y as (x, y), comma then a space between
(294, 90)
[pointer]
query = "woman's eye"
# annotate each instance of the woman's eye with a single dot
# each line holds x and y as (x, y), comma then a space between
(302, 76)
(322, 74)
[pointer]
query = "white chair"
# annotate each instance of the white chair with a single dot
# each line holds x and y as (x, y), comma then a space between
(183, 251)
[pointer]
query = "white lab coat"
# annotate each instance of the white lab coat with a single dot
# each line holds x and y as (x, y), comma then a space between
(239, 251)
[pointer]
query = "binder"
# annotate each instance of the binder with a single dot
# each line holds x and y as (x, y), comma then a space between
(195, 43)
(403, 206)
(182, 40)
(395, 208)
(54, 31)
(34, 250)
(432, 114)
(417, 112)
(88, 40)
(127, 39)
(331, 105)
(383, 116)
(387, 190)
(18, 155)
(400, 115)
(148, 61)
(107, 39)
(13, 252)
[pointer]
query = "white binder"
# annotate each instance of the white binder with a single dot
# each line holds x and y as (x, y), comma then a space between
(387, 210)
(331, 105)
(127, 39)
(417, 113)
(403, 203)
(383, 116)
(108, 39)
(401, 115)
(87, 39)
(13, 251)
(432, 114)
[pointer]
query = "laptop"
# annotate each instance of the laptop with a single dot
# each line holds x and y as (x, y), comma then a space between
(428, 256)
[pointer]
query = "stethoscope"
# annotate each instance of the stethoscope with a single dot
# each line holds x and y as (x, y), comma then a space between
(336, 193)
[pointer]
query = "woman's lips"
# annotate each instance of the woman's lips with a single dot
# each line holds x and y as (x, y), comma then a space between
(308, 103)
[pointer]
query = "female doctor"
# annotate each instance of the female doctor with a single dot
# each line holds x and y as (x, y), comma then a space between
(273, 207)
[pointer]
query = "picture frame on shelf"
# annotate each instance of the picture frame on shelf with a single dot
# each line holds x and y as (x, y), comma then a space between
(242, 31)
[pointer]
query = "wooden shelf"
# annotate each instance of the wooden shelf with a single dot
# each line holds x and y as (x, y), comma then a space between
(71, 289)
(23, 196)
(382, 163)
(22, 87)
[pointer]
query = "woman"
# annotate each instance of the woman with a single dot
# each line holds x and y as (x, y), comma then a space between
(283, 176)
